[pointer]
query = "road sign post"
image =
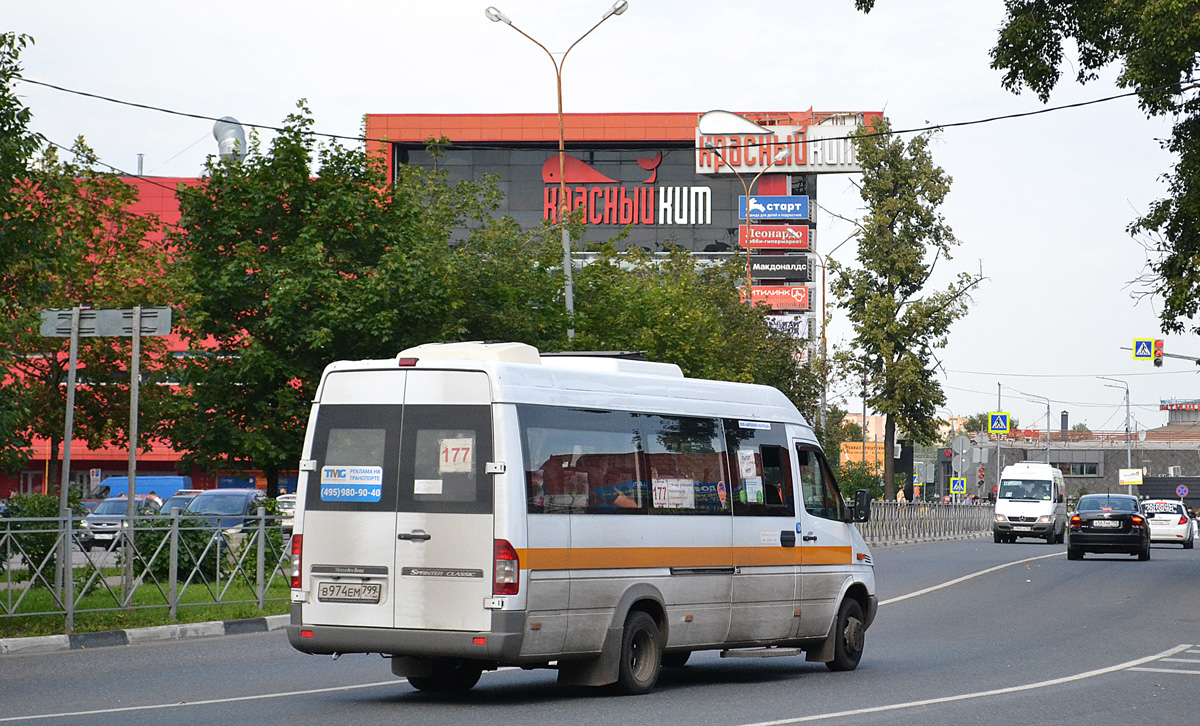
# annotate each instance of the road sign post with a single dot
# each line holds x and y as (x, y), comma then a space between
(78, 322)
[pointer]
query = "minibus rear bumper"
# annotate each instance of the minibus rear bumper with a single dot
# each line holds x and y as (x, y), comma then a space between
(502, 644)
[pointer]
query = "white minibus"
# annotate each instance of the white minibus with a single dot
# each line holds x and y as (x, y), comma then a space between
(1030, 502)
(467, 506)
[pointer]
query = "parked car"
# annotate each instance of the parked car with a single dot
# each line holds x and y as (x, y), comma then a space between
(1108, 523)
(1169, 522)
(179, 500)
(226, 509)
(287, 511)
(101, 527)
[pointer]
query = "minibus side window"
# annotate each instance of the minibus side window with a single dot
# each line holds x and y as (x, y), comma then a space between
(760, 469)
(582, 461)
(821, 496)
(685, 460)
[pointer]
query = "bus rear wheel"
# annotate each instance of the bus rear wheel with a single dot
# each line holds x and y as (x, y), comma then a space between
(641, 655)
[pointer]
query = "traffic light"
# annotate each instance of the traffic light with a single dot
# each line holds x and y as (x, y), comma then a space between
(981, 473)
(1158, 353)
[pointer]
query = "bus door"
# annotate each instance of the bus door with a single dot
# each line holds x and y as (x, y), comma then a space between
(765, 540)
(443, 529)
(826, 549)
(349, 526)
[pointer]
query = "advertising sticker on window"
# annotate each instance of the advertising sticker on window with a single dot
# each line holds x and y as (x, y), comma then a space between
(351, 483)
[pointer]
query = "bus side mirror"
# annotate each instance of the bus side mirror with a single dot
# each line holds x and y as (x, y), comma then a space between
(1061, 498)
(862, 505)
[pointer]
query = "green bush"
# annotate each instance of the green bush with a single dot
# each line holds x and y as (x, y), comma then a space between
(194, 538)
(854, 475)
(36, 539)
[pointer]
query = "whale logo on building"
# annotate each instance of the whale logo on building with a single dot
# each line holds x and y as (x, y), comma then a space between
(580, 172)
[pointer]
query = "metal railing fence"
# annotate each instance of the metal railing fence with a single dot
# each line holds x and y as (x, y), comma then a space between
(177, 561)
(182, 561)
(916, 521)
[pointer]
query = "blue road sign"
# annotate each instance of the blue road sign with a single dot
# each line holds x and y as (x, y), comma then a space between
(958, 485)
(1143, 349)
(1181, 490)
(764, 207)
(998, 422)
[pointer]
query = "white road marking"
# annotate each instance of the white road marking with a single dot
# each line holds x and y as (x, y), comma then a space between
(1182, 660)
(964, 578)
(1165, 670)
(1128, 665)
(208, 702)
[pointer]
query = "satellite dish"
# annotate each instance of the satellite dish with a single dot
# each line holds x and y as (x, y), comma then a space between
(1142, 435)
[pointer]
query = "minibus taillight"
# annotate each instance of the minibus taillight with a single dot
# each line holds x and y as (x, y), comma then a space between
(406, 362)
(507, 580)
(297, 540)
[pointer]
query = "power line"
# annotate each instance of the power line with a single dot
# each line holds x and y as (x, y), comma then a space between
(342, 137)
(1063, 375)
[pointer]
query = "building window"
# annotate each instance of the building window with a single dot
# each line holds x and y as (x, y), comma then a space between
(1079, 468)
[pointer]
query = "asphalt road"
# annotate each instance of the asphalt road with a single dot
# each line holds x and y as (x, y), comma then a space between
(968, 633)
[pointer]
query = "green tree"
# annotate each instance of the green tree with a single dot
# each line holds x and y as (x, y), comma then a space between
(287, 271)
(103, 259)
(1157, 45)
(680, 311)
(838, 430)
(897, 328)
(26, 251)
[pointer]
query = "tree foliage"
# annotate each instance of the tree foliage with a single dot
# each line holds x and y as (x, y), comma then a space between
(1156, 43)
(67, 238)
(676, 309)
(287, 271)
(898, 325)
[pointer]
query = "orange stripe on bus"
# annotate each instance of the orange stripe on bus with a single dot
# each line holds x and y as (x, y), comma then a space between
(596, 558)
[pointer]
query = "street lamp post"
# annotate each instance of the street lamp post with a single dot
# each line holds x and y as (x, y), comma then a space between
(564, 205)
(1128, 440)
(781, 155)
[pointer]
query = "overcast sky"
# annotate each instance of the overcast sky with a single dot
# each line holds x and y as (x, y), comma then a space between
(1039, 204)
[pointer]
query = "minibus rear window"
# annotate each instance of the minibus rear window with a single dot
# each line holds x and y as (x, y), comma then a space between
(415, 458)
(355, 449)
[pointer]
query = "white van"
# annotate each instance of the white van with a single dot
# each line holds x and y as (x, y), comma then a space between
(468, 506)
(1030, 502)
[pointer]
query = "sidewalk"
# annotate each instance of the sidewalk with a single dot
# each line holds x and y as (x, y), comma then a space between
(138, 636)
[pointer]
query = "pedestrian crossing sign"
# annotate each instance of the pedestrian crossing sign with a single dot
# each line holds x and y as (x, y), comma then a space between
(958, 485)
(998, 422)
(1143, 349)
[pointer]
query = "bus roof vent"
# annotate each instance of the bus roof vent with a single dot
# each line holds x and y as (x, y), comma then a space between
(610, 364)
(474, 350)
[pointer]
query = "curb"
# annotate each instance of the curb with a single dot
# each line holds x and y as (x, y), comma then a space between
(139, 636)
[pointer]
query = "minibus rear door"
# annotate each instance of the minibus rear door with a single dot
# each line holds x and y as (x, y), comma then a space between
(444, 524)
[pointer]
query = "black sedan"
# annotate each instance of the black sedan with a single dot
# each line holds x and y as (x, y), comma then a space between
(1108, 523)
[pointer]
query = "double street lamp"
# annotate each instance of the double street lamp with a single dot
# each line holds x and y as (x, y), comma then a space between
(564, 204)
